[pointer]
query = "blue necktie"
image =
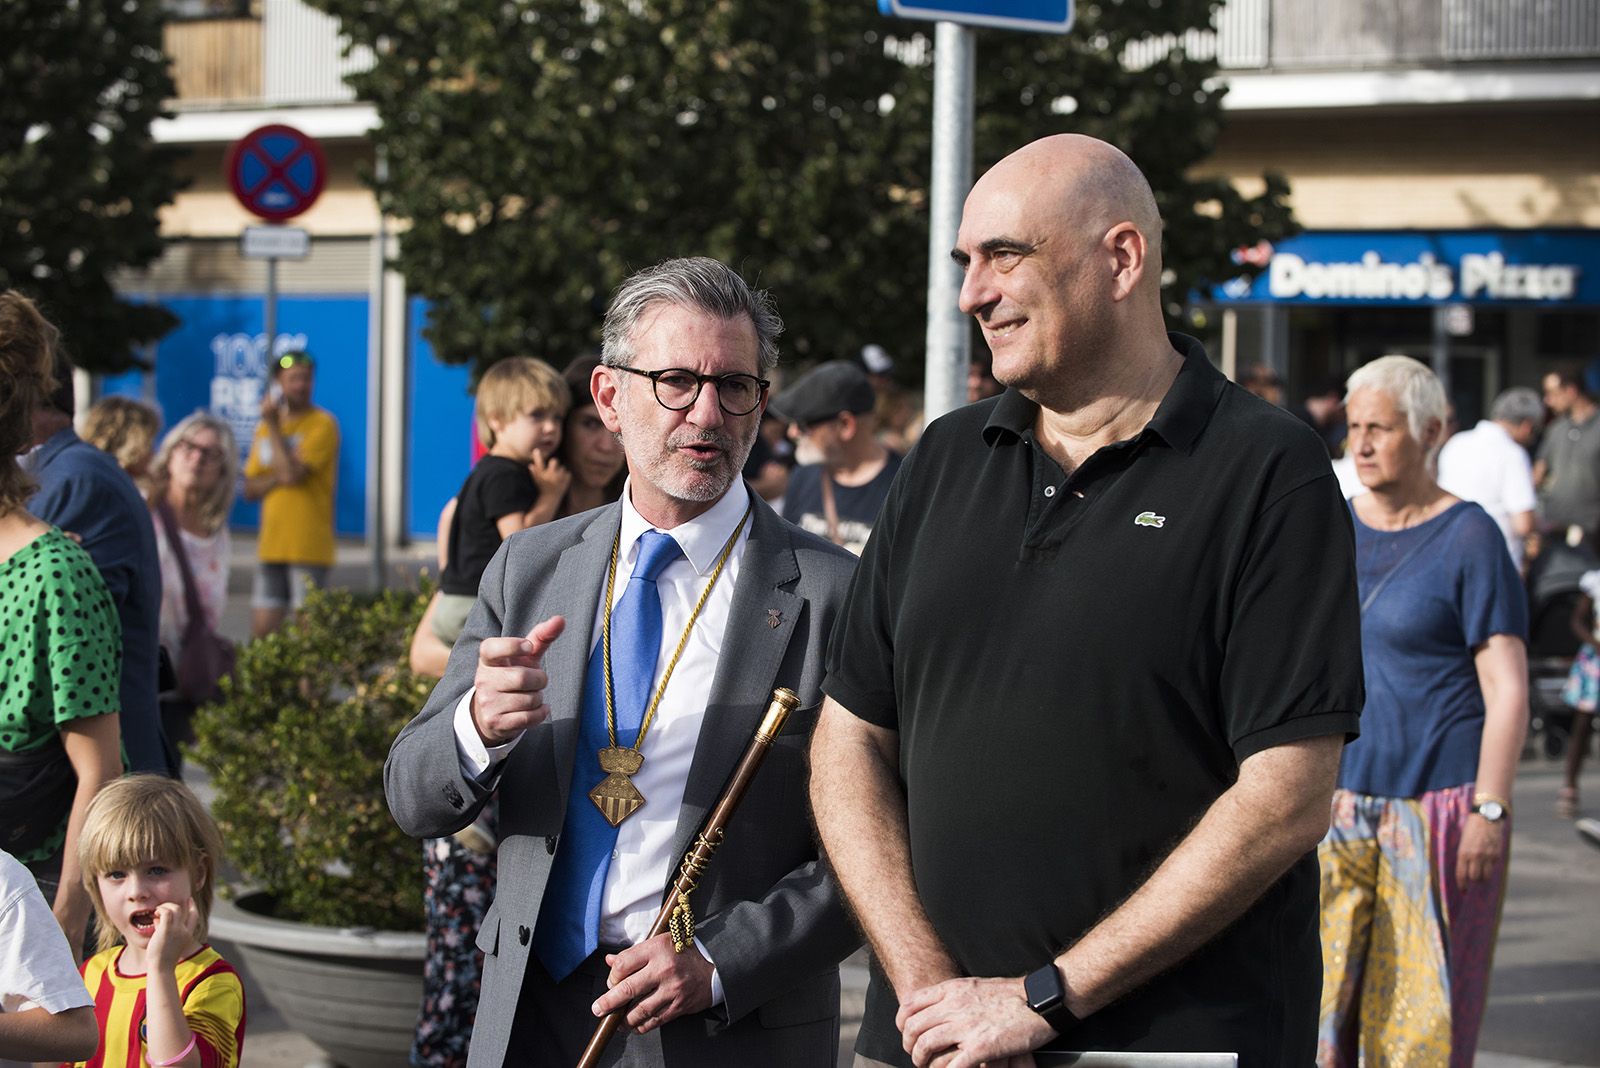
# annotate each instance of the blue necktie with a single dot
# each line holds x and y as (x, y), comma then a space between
(568, 929)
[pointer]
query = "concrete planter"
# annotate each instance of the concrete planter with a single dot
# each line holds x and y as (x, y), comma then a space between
(353, 991)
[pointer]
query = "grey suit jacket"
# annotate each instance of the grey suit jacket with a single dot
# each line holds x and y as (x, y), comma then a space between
(768, 910)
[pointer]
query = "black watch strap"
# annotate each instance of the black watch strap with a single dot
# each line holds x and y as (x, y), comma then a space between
(1047, 996)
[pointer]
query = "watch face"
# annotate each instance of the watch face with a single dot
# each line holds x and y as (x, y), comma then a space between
(1043, 988)
(1493, 811)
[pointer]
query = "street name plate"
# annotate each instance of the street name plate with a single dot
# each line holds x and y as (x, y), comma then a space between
(274, 243)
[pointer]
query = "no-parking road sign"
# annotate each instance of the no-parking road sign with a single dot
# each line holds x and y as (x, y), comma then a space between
(276, 171)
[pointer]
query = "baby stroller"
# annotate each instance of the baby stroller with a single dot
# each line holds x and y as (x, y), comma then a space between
(1552, 594)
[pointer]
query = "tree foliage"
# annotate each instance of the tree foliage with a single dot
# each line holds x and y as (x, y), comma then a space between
(540, 150)
(81, 180)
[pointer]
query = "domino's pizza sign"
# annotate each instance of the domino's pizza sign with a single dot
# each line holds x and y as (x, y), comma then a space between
(276, 171)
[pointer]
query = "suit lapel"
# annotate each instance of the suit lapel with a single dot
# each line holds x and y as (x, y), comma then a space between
(761, 621)
(576, 589)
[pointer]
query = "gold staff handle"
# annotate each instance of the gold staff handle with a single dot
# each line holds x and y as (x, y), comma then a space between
(675, 915)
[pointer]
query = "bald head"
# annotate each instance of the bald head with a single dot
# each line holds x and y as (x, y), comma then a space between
(1081, 184)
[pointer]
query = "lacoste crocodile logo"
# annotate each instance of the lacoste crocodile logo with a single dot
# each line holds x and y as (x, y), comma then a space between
(1149, 519)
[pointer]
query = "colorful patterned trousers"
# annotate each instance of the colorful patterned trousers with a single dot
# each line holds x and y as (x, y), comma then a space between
(1406, 949)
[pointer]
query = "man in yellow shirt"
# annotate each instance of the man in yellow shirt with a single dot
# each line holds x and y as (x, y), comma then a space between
(292, 467)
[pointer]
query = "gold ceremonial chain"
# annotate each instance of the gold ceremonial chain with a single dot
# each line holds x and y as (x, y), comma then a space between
(681, 925)
(616, 797)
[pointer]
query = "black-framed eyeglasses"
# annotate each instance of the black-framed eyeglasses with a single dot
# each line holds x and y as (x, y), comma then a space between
(677, 389)
(206, 453)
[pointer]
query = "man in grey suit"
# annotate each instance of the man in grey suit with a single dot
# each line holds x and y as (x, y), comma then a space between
(552, 700)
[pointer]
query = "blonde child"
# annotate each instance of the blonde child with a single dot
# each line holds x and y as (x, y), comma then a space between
(521, 406)
(150, 853)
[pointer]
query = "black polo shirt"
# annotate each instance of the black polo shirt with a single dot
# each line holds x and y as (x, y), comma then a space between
(1076, 666)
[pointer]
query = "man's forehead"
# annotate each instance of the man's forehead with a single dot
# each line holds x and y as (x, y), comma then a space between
(678, 330)
(997, 211)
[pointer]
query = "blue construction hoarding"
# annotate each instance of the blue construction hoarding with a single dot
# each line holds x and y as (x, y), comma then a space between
(217, 357)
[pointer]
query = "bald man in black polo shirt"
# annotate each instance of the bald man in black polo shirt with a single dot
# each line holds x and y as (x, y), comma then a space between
(1074, 804)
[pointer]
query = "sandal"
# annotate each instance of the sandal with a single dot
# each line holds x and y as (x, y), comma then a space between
(1567, 803)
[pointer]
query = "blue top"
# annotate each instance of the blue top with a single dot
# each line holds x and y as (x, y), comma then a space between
(84, 492)
(1455, 588)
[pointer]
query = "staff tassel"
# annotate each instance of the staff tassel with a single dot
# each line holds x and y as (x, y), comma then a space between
(675, 916)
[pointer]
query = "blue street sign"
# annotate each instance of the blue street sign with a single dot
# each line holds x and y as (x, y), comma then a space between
(1038, 16)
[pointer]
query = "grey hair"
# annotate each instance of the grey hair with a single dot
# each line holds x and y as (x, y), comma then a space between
(213, 510)
(1413, 387)
(1518, 405)
(693, 282)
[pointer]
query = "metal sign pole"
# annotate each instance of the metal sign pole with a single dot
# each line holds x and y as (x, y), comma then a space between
(377, 537)
(949, 340)
(271, 313)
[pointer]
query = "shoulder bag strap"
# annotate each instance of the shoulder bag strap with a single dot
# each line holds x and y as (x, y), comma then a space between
(829, 509)
(1372, 594)
(191, 596)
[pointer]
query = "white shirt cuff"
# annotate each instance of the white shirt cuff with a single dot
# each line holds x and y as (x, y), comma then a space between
(716, 980)
(476, 758)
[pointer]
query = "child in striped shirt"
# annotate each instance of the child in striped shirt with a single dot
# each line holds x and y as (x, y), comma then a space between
(150, 854)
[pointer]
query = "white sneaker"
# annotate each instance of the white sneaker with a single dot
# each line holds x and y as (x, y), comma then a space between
(1589, 830)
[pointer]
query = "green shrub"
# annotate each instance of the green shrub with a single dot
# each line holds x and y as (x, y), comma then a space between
(295, 750)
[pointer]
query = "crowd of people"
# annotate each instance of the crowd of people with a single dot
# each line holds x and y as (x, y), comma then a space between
(1123, 721)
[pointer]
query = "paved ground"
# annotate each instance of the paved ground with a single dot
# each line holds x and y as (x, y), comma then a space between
(1544, 1005)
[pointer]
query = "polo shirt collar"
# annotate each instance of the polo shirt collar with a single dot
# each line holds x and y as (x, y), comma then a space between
(1182, 414)
(701, 538)
(52, 447)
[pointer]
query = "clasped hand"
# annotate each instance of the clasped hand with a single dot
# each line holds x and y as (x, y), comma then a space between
(510, 683)
(963, 1023)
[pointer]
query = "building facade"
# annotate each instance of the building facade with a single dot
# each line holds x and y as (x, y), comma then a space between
(1443, 162)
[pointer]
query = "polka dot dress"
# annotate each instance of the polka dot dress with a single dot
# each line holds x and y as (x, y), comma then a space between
(60, 647)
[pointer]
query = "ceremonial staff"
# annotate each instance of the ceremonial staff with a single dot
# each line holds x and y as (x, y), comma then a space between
(675, 916)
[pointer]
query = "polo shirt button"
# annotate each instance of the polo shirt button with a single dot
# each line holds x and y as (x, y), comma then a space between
(1049, 491)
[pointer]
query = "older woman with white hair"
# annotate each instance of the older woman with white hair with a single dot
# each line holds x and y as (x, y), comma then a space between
(1414, 863)
(193, 482)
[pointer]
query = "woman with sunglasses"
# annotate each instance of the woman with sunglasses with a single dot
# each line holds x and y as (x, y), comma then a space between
(193, 481)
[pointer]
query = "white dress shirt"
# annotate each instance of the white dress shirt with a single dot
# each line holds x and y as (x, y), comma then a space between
(1486, 465)
(643, 860)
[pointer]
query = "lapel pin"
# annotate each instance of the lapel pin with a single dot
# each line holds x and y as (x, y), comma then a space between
(774, 617)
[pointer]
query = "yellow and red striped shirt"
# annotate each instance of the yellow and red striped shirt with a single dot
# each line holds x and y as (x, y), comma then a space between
(213, 1006)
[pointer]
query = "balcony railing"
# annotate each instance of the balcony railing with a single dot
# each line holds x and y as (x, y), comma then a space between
(305, 63)
(292, 54)
(215, 60)
(1370, 34)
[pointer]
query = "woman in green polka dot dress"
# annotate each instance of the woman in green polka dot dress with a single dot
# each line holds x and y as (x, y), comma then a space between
(60, 642)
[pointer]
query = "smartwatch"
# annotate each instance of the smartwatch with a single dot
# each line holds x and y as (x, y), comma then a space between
(1047, 996)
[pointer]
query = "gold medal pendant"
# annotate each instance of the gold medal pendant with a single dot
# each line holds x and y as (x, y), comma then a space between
(616, 797)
